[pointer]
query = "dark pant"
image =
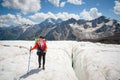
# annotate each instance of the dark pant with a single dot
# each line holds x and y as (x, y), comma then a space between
(42, 54)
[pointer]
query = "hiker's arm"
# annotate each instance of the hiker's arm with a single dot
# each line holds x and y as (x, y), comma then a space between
(34, 47)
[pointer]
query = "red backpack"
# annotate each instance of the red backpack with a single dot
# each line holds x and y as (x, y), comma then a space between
(42, 45)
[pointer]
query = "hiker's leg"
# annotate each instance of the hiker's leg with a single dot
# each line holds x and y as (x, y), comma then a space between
(39, 60)
(44, 60)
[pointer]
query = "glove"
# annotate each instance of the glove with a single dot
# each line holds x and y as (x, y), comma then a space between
(30, 49)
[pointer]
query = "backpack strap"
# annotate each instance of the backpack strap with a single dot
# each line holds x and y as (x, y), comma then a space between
(40, 44)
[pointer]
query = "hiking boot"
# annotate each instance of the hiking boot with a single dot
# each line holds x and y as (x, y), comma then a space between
(43, 67)
(39, 66)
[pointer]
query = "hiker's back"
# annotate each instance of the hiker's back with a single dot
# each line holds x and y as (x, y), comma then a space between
(42, 45)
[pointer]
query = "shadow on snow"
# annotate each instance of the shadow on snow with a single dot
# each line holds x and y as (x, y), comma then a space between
(31, 72)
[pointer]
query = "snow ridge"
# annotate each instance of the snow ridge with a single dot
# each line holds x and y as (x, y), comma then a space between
(96, 61)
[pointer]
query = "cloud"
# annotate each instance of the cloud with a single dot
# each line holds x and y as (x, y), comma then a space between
(6, 18)
(25, 6)
(4, 25)
(20, 20)
(62, 4)
(117, 7)
(63, 16)
(76, 2)
(57, 3)
(66, 16)
(10, 19)
(42, 16)
(90, 15)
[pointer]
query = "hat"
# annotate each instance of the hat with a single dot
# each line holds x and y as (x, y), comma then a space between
(41, 37)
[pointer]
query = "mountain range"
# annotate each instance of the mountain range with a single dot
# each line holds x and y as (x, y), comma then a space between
(102, 29)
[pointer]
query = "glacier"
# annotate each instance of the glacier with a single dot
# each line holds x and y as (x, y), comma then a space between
(65, 60)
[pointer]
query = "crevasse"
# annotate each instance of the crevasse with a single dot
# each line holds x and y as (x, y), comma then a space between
(95, 61)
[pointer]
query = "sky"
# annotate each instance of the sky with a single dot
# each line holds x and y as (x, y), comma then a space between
(17, 12)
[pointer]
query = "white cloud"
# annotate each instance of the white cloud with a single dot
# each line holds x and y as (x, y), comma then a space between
(4, 25)
(26, 6)
(117, 7)
(42, 16)
(20, 20)
(7, 18)
(58, 3)
(55, 2)
(66, 16)
(90, 15)
(63, 16)
(62, 4)
(76, 2)
(11, 19)
(85, 15)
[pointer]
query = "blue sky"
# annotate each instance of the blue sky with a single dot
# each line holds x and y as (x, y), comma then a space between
(17, 12)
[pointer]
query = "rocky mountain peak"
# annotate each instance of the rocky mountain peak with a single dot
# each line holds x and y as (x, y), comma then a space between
(71, 29)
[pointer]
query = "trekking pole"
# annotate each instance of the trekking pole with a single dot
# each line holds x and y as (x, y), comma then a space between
(29, 61)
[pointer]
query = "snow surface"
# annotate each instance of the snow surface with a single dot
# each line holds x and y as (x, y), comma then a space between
(25, 27)
(65, 60)
(89, 23)
(110, 23)
(96, 61)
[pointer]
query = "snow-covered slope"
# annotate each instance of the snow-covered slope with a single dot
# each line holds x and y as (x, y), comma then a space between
(90, 61)
(96, 61)
(14, 61)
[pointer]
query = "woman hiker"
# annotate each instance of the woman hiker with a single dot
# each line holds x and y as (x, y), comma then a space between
(41, 50)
